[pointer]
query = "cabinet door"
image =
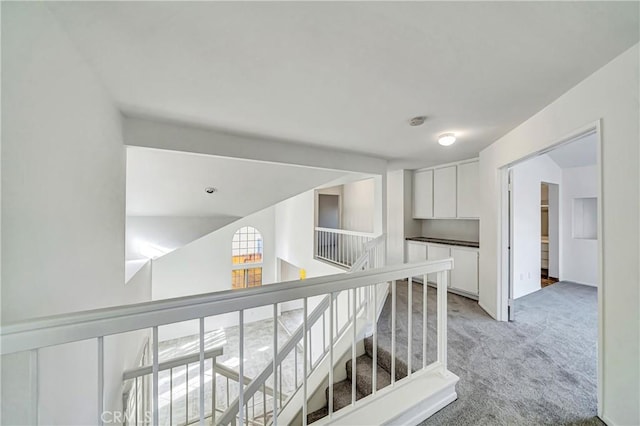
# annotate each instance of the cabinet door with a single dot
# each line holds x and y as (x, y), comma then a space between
(416, 252)
(468, 190)
(444, 192)
(423, 194)
(437, 253)
(464, 275)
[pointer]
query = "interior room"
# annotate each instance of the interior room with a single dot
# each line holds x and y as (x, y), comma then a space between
(250, 213)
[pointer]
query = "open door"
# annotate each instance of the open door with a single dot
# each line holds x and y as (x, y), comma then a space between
(511, 305)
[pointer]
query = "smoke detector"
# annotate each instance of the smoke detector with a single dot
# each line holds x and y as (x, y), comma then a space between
(210, 190)
(417, 121)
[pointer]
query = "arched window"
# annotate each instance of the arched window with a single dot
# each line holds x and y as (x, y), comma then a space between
(246, 255)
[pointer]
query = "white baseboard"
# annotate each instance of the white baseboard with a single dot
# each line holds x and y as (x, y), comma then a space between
(408, 402)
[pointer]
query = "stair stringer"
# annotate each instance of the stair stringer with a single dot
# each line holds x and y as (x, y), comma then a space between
(317, 380)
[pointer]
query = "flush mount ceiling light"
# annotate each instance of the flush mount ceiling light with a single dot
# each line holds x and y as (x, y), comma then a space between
(446, 139)
(417, 121)
(210, 190)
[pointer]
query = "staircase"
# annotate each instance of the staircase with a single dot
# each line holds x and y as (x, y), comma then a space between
(342, 391)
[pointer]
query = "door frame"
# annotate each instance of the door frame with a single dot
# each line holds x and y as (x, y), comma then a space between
(505, 255)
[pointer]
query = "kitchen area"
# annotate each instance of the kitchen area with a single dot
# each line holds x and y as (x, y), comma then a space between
(446, 220)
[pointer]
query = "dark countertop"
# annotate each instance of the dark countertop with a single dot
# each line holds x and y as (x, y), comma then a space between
(473, 244)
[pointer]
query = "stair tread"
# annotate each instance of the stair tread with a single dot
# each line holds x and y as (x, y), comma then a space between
(364, 376)
(317, 415)
(384, 359)
(341, 398)
(342, 394)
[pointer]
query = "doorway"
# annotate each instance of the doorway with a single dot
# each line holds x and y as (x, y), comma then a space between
(329, 211)
(577, 229)
(550, 234)
(552, 204)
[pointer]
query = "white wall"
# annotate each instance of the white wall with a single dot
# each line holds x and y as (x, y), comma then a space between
(358, 205)
(63, 188)
(527, 179)
(456, 229)
(609, 95)
(580, 263)
(294, 227)
(168, 232)
(204, 266)
(400, 222)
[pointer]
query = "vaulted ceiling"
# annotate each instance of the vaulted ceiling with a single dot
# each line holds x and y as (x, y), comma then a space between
(349, 75)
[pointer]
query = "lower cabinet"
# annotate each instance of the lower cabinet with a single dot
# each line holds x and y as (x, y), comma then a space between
(464, 275)
(437, 252)
(463, 278)
(416, 252)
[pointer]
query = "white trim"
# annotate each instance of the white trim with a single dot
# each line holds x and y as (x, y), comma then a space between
(600, 283)
(346, 232)
(454, 163)
(408, 401)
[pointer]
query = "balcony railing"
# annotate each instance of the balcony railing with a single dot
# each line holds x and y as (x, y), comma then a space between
(351, 301)
(340, 246)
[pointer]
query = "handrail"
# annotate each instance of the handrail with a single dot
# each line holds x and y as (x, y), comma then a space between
(347, 232)
(172, 363)
(365, 258)
(297, 335)
(60, 329)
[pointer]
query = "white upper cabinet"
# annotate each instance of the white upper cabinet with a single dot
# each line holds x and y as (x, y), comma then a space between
(423, 194)
(469, 190)
(447, 192)
(444, 192)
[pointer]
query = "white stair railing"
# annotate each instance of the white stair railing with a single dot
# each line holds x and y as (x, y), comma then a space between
(340, 246)
(32, 336)
(372, 255)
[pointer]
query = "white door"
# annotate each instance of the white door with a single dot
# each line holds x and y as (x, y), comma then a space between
(416, 252)
(444, 192)
(468, 190)
(423, 194)
(437, 253)
(464, 275)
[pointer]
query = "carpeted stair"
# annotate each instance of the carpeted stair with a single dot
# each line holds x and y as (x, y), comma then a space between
(364, 379)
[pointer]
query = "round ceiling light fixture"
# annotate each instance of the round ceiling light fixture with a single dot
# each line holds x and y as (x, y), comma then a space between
(446, 139)
(417, 121)
(210, 190)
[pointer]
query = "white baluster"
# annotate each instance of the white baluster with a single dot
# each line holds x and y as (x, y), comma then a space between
(375, 339)
(275, 366)
(424, 321)
(100, 380)
(304, 370)
(353, 350)
(393, 332)
(409, 325)
(214, 384)
(241, 370)
(135, 402)
(155, 376)
(186, 394)
(201, 402)
(442, 318)
(331, 355)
